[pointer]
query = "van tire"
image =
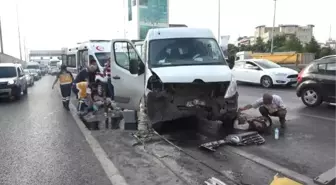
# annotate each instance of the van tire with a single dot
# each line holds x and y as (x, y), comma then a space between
(25, 91)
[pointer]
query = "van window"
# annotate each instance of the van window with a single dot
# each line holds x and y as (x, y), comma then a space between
(33, 67)
(103, 57)
(71, 60)
(185, 51)
(7, 72)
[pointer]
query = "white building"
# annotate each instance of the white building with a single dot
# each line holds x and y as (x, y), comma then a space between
(303, 33)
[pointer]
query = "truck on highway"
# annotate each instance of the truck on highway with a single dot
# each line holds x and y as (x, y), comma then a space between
(182, 72)
(288, 59)
(78, 57)
(54, 66)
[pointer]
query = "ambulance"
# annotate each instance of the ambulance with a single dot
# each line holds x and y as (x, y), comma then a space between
(80, 56)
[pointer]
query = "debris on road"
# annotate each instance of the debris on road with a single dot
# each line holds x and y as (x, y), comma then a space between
(214, 181)
(277, 180)
(242, 139)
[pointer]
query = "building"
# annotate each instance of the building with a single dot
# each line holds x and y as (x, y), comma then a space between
(245, 40)
(4, 58)
(330, 43)
(143, 15)
(303, 33)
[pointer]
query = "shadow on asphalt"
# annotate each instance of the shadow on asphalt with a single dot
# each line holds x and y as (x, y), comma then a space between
(324, 110)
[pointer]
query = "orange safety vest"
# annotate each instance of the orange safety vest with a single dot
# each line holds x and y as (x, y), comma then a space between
(65, 78)
(82, 87)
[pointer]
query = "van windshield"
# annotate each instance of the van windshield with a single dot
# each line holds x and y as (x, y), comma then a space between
(53, 63)
(103, 58)
(33, 67)
(185, 51)
(7, 72)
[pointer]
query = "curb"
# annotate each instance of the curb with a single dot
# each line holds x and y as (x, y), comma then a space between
(272, 166)
(110, 169)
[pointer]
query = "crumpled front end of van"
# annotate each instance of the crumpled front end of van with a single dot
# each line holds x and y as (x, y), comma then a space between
(170, 101)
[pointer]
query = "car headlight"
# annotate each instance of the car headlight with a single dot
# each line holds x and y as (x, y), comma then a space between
(280, 74)
(11, 82)
(232, 89)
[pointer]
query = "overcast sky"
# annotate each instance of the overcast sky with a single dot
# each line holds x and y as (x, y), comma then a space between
(53, 24)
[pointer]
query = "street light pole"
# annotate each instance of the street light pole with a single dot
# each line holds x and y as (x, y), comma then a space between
(1, 43)
(219, 21)
(18, 25)
(272, 42)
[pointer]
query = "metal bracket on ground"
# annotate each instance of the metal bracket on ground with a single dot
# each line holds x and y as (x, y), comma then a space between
(326, 178)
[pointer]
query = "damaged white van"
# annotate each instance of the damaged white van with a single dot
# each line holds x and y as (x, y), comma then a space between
(181, 72)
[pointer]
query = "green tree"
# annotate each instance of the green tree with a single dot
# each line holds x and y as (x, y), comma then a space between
(293, 44)
(326, 51)
(259, 45)
(279, 42)
(313, 47)
(232, 50)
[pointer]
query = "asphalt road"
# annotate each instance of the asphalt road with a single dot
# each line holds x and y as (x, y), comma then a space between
(308, 144)
(40, 143)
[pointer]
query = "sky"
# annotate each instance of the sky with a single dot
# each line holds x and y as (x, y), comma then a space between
(53, 24)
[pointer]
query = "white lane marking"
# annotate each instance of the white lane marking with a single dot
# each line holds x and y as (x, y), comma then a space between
(110, 169)
(273, 166)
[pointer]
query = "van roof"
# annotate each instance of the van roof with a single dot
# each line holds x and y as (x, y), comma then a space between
(179, 32)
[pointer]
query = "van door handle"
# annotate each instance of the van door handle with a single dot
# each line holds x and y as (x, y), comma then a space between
(116, 77)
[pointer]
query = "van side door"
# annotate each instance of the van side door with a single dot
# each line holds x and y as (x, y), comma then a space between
(128, 88)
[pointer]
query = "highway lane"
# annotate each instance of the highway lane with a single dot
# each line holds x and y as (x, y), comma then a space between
(40, 143)
(308, 144)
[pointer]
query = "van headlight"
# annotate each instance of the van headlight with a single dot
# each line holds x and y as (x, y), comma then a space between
(232, 89)
(11, 82)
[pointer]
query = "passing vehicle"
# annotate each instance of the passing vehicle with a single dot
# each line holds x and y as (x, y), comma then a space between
(13, 81)
(316, 82)
(36, 66)
(34, 73)
(53, 67)
(182, 73)
(263, 72)
(29, 77)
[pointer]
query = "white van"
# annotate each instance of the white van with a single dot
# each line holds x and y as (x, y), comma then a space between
(182, 72)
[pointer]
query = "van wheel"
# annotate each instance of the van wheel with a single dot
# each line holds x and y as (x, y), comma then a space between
(266, 81)
(25, 91)
(311, 97)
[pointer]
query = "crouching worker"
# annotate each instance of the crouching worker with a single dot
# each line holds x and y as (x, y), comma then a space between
(65, 79)
(270, 105)
(85, 101)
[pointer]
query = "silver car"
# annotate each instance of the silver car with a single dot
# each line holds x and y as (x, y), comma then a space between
(13, 81)
(29, 77)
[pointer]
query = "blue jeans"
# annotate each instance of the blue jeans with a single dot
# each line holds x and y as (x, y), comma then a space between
(110, 89)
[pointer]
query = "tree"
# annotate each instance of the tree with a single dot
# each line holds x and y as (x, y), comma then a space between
(232, 50)
(324, 52)
(313, 47)
(279, 42)
(259, 45)
(293, 44)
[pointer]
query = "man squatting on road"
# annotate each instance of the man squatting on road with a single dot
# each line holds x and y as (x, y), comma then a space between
(270, 105)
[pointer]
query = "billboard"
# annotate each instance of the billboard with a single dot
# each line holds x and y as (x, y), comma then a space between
(152, 14)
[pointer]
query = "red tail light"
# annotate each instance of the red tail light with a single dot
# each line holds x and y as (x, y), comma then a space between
(299, 78)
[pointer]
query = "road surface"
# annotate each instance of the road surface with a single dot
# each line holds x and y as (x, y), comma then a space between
(40, 143)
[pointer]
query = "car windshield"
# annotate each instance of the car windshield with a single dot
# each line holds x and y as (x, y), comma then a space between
(53, 63)
(185, 51)
(32, 70)
(102, 58)
(33, 67)
(26, 71)
(267, 64)
(7, 72)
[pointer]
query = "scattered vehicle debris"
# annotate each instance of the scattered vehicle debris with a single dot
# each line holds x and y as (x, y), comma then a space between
(278, 180)
(242, 139)
(214, 181)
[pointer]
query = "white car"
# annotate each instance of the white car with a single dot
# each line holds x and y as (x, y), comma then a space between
(29, 77)
(264, 72)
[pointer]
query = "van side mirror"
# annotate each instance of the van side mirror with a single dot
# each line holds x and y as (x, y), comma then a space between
(231, 65)
(134, 66)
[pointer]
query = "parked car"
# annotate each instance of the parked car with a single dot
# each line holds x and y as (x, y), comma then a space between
(316, 82)
(264, 72)
(35, 74)
(30, 77)
(12, 80)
